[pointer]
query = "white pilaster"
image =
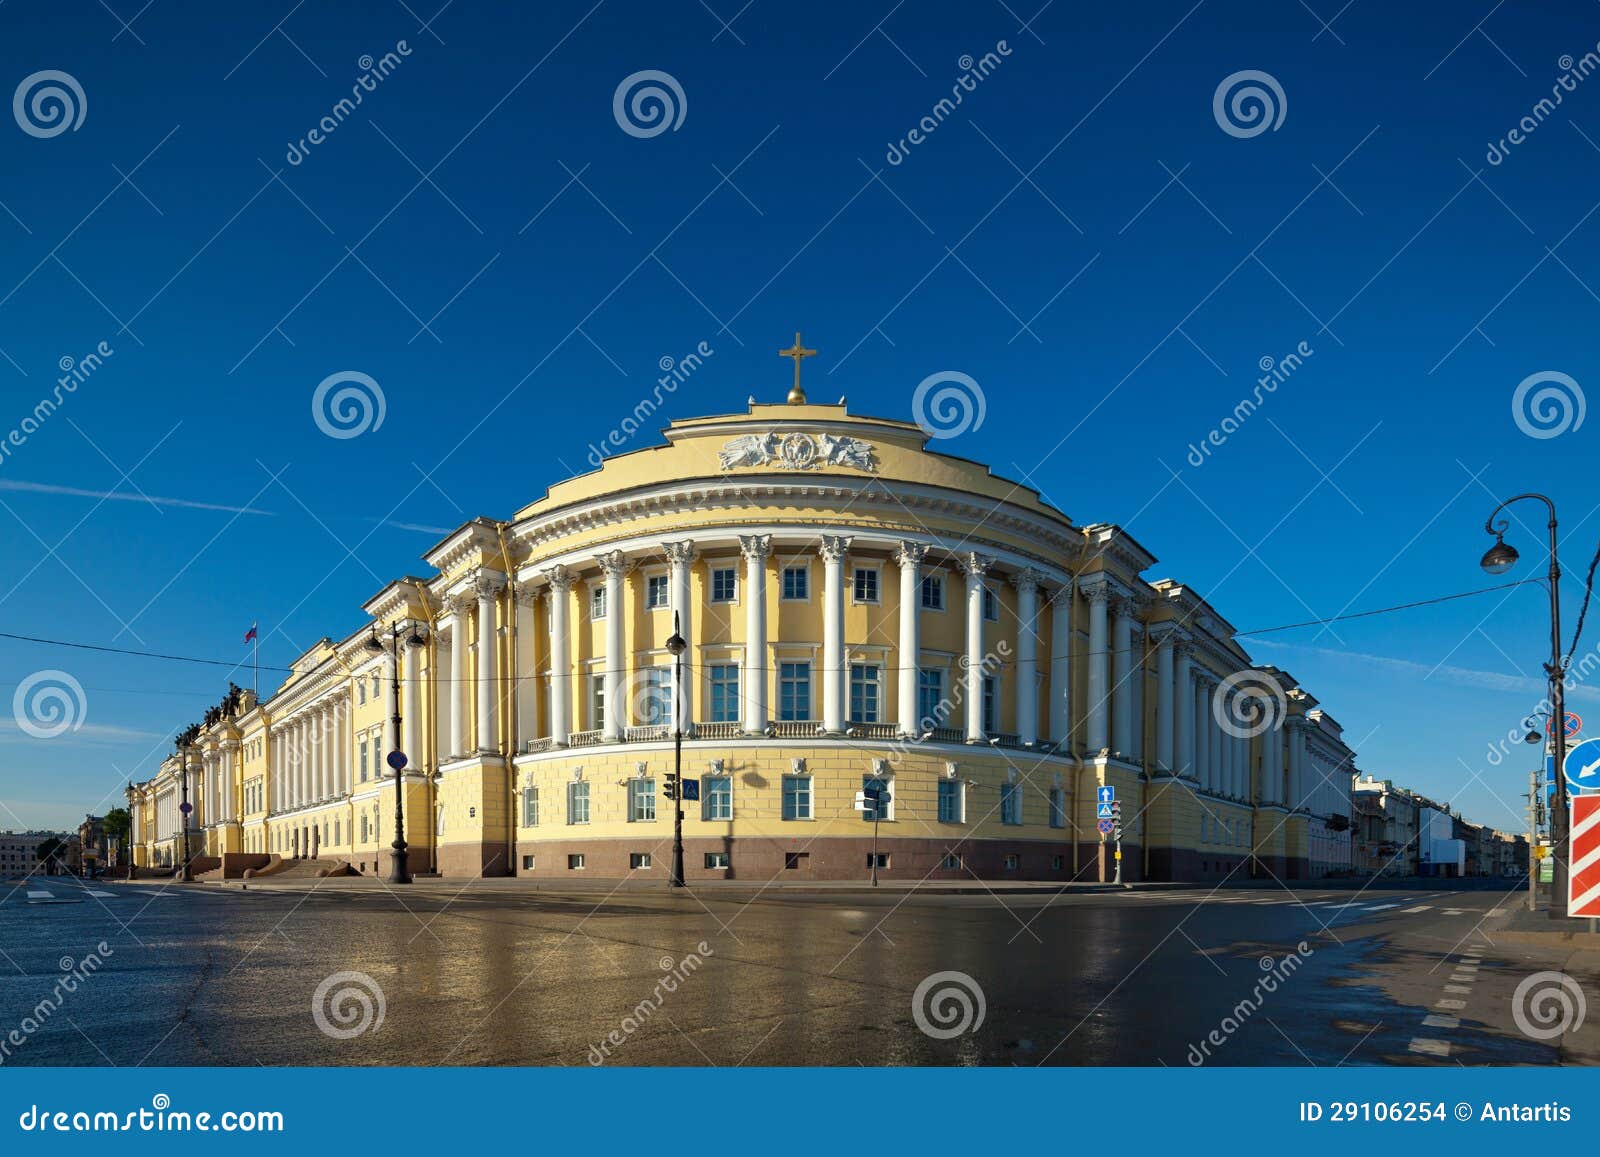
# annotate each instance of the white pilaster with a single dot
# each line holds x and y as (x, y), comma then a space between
(756, 548)
(459, 687)
(410, 711)
(560, 580)
(1061, 633)
(909, 556)
(975, 567)
(1027, 584)
(680, 558)
(834, 549)
(488, 587)
(614, 565)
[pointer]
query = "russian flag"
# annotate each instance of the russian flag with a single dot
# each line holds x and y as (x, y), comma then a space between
(251, 633)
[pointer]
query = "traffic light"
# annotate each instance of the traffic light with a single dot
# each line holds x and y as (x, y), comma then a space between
(670, 790)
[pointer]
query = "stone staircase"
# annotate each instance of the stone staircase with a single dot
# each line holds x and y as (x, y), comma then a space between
(304, 870)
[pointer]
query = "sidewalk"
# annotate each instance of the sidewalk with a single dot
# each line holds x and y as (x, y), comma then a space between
(1537, 929)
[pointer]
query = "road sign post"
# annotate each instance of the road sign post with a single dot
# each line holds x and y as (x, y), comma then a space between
(877, 799)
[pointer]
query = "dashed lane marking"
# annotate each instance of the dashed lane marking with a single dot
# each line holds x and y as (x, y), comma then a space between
(1447, 1002)
(1419, 908)
(1461, 988)
(1427, 1046)
(1440, 1020)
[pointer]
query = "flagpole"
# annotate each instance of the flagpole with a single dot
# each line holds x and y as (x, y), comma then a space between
(255, 659)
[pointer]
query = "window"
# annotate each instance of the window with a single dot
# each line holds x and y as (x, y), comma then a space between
(863, 693)
(884, 810)
(716, 797)
(991, 606)
(530, 807)
(528, 863)
(952, 801)
(991, 704)
(724, 584)
(597, 701)
(1011, 862)
(930, 697)
(797, 797)
(597, 602)
(364, 828)
(716, 859)
(578, 802)
(336, 839)
(1058, 808)
(866, 584)
(877, 859)
(794, 861)
(641, 800)
(932, 593)
(655, 698)
(794, 691)
(363, 760)
(725, 693)
(655, 591)
(951, 862)
(796, 582)
(1055, 863)
(574, 861)
(361, 692)
(1010, 803)
(638, 860)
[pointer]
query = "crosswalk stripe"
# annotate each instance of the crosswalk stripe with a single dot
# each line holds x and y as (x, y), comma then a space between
(1430, 1047)
(94, 892)
(1439, 1020)
(37, 895)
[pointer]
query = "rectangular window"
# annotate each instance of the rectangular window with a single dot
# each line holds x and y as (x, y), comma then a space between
(1010, 803)
(930, 698)
(884, 811)
(641, 800)
(794, 691)
(716, 859)
(795, 582)
(578, 802)
(655, 700)
(724, 584)
(527, 863)
(1012, 862)
(361, 692)
(991, 606)
(866, 584)
(597, 602)
(363, 760)
(716, 797)
(725, 693)
(878, 860)
(991, 705)
(597, 701)
(638, 860)
(374, 684)
(1055, 863)
(1058, 808)
(655, 591)
(574, 861)
(863, 693)
(795, 861)
(932, 593)
(530, 807)
(951, 799)
(951, 862)
(797, 797)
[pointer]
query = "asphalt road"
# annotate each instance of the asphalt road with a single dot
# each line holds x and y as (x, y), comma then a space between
(198, 975)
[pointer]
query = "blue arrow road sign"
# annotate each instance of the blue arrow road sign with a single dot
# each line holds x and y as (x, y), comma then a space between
(1105, 794)
(1103, 811)
(1582, 766)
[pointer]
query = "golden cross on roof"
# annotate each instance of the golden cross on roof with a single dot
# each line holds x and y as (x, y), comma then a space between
(797, 396)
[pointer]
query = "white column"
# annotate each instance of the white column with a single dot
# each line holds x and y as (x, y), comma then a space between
(525, 668)
(488, 588)
(325, 723)
(1098, 739)
(1297, 767)
(1218, 752)
(975, 566)
(1061, 632)
(614, 566)
(1202, 732)
(1164, 703)
(560, 580)
(1122, 678)
(680, 557)
(1027, 584)
(410, 710)
(755, 547)
(458, 687)
(909, 556)
(834, 549)
(1241, 768)
(1183, 716)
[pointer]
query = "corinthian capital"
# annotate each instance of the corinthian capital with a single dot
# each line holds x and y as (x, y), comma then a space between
(1098, 589)
(1027, 579)
(613, 562)
(910, 554)
(975, 565)
(679, 553)
(755, 547)
(488, 583)
(559, 578)
(835, 547)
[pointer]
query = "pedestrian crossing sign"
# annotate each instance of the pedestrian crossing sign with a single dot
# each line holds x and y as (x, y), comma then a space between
(1102, 811)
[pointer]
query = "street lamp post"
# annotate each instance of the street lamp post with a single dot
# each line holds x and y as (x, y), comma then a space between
(185, 872)
(400, 859)
(1498, 559)
(676, 646)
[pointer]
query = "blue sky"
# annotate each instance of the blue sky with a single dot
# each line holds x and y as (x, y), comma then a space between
(1080, 235)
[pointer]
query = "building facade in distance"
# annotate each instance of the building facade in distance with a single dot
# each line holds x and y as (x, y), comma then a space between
(859, 610)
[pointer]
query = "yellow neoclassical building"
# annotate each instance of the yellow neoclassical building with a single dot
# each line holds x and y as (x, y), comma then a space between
(860, 610)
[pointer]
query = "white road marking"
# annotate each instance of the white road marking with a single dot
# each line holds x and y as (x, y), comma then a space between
(1419, 908)
(37, 895)
(1448, 1003)
(1440, 1020)
(1429, 1047)
(93, 892)
(1497, 911)
(1462, 988)
(1381, 907)
(1454, 912)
